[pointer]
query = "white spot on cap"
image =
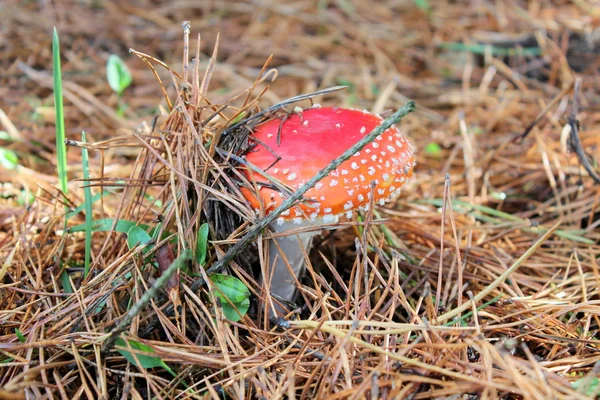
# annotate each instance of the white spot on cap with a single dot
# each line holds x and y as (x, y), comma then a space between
(367, 150)
(371, 170)
(362, 178)
(297, 212)
(354, 165)
(375, 145)
(357, 154)
(398, 143)
(305, 123)
(344, 172)
(333, 183)
(363, 129)
(327, 210)
(286, 171)
(381, 202)
(374, 157)
(329, 218)
(348, 205)
(280, 221)
(335, 173)
(337, 125)
(363, 161)
(314, 216)
(361, 197)
(381, 191)
(349, 214)
(386, 176)
(318, 185)
(275, 170)
(322, 198)
(269, 135)
(297, 221)
(379, 138)
(292, 176)
(294, 131)
(391, 149)
(350, 192)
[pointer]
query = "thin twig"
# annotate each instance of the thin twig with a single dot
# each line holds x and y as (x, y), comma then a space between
(574, 140)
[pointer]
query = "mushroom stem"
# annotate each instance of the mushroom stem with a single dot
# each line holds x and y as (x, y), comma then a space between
(287, 249)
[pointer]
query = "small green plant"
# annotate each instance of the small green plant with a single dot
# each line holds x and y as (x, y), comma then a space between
(20, 335)
(201, 244)
(433, 149)
(138, 359)
(136, 236)
(233, 295)
(119, 78)
(8, 159)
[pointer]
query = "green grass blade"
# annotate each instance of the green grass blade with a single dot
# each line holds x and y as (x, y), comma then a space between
(61, 149)
(87, 196)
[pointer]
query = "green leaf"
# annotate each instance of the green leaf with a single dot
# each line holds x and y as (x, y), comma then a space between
(588, 385)
(6, 136)
(25, 198)
(423, 5)
(87, 195)
(145, 361)
(433, 149)
(61, 148)
(136, 236)
(8, 159)
(233, 295)
(104, 225)
(201, 244)
(20, 335)
(118, 75)
(66, 283)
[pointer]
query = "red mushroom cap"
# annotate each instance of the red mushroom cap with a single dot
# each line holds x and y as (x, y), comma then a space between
(313, 138)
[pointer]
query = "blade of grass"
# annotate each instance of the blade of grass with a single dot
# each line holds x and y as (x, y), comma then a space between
(61, 150)
(87, 196)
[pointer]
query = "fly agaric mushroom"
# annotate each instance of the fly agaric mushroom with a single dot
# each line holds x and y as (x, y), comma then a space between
(294, 150)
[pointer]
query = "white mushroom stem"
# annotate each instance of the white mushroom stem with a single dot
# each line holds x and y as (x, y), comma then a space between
(290, 248)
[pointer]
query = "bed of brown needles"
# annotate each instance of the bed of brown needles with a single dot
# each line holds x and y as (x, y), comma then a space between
(481, 281)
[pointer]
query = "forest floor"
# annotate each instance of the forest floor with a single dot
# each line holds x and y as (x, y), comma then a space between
(480, 281)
